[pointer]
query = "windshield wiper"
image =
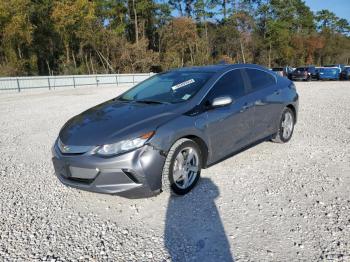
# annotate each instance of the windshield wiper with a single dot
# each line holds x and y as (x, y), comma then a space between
(122, 99)
(150, 102)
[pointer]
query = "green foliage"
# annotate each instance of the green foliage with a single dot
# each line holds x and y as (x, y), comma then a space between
(106, 36)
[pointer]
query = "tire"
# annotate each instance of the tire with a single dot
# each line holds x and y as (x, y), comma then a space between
(171, 181)
(283, 134)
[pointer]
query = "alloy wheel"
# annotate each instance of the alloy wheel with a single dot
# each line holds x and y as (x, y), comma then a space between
(186, 167)
(287, 125)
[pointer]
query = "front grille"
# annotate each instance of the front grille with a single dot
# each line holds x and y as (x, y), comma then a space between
(71, 149)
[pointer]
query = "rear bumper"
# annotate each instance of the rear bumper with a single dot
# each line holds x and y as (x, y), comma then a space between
(136, 171)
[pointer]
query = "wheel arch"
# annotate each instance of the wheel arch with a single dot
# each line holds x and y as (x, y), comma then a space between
(292, 107)
(202, 146)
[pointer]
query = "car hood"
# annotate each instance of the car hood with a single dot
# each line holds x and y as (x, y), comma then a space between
(113, 121)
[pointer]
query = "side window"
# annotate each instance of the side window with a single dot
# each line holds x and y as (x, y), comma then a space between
(259, 79)
(231, 84)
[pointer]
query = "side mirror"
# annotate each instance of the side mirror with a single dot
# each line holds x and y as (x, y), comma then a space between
(221, 101)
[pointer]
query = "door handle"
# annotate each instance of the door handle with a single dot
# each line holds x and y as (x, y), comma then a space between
(277, 91)
(259, 103)
(245, 107)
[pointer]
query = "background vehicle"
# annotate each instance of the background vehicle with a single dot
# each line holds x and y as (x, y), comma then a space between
(339, 66)
(328, 73)
(345, 74)
(162, 132)
(306, 73)
(283, 71)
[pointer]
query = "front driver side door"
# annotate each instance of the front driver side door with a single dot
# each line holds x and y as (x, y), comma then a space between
(229, 127)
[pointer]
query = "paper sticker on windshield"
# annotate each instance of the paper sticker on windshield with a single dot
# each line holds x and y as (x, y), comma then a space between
(188, 82)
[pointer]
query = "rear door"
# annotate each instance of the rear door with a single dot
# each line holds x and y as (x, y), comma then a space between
(229, 127)
(266, 96)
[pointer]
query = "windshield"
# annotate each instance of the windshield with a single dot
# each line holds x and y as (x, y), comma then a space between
(168, 87)
(301, 69)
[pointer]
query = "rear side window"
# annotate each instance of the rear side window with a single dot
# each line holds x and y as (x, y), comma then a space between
(259, 79)
(231, 84)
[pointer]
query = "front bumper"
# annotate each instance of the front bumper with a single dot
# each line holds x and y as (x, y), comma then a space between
(299, 78)
(136, 171)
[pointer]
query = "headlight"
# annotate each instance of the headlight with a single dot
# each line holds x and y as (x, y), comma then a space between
(124, 146)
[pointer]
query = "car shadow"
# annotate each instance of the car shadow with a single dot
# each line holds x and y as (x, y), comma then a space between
(193, 228)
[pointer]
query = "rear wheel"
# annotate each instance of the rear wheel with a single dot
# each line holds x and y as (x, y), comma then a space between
(182, 167)
(286, 126)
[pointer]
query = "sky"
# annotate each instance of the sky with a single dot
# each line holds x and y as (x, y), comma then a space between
(341, 8)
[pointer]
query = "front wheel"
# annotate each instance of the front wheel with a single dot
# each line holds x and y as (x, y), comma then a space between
(286, 127)
(182, 167)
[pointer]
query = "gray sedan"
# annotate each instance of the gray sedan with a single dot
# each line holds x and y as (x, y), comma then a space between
(160, 134)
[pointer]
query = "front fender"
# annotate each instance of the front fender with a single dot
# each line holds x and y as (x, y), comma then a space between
(182, 126)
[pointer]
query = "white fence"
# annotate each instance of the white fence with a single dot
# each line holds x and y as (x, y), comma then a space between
(53, 82)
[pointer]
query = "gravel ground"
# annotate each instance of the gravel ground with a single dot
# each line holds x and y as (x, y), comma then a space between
(272, 202)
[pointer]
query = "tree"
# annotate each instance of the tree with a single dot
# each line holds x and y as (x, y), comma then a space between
(16, 38)
(74, 21)
(180, 41)
(107, 36)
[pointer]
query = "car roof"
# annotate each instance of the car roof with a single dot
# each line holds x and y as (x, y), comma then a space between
(329, 67)
(217, 68)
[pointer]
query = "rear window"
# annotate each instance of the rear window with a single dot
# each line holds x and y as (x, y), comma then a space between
(277, 69)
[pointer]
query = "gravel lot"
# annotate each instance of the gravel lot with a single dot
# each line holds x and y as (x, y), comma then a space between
(272, 202)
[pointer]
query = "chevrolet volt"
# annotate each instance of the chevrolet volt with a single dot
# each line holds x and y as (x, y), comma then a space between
(161, 133)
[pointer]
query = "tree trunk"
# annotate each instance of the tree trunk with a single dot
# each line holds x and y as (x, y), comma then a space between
(92, 65)
(106, 61)
(191, 54)
(182, 58)
(67, 53)
(180, 8)
(206, 35)
(135, 22)
(188, 8)
(19, 52)
(242, 49)
(87, 64)
(74, 61)
(48, 66)
(269, 57)
(224, 11)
